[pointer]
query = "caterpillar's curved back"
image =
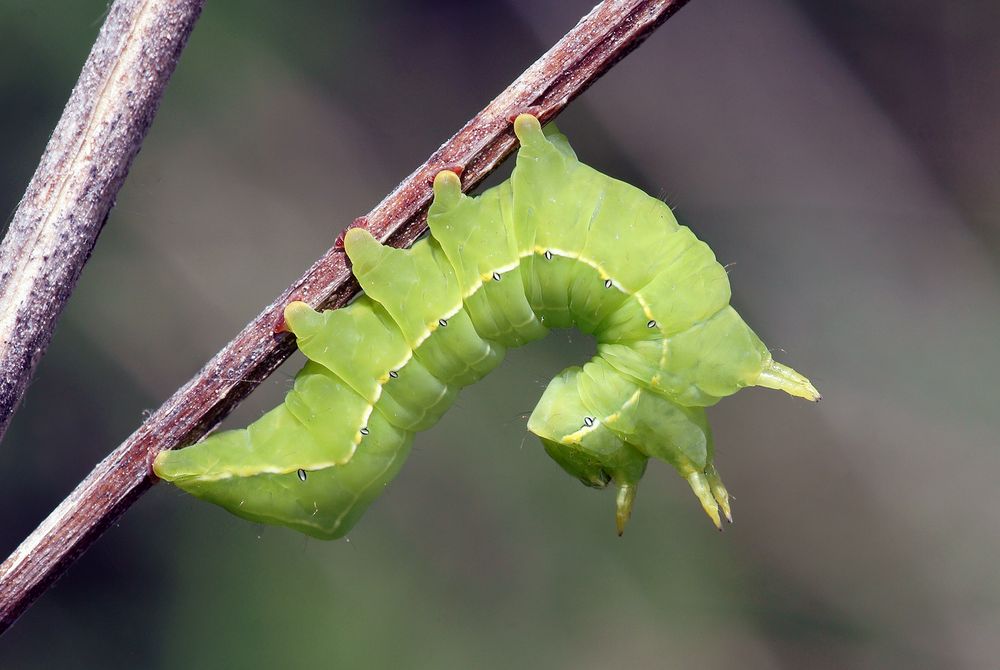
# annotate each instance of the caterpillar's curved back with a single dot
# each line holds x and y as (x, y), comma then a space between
(557, 245)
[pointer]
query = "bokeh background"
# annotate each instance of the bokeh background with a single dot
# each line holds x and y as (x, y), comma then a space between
(843, 157)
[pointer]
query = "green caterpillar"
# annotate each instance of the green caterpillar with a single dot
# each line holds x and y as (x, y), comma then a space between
(557, 245)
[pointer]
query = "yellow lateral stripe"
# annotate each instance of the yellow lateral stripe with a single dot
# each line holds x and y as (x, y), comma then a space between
(575, 438)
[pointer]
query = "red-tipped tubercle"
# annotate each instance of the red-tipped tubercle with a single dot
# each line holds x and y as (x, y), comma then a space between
(457, 170)
(360, 222)
(534, 110)
(281, 326)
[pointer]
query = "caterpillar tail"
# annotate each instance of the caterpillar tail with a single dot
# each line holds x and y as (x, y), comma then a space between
(783, 378)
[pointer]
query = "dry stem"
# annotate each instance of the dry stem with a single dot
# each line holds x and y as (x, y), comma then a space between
(87, 158)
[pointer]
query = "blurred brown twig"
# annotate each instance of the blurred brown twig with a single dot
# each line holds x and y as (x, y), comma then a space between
(609, 32)
(74, 187)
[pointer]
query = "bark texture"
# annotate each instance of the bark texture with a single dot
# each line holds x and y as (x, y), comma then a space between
(74, 187)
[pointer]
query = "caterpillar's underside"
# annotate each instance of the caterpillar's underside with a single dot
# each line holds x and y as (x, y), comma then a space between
(558, 245)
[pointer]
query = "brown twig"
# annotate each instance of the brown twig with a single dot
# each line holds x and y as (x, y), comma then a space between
(598, 41)
(88, 156)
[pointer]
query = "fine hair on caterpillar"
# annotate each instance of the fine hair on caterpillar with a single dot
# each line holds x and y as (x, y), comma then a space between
(557, 245)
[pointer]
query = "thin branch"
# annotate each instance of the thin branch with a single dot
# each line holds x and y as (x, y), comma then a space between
(88, 156)
(609, 32)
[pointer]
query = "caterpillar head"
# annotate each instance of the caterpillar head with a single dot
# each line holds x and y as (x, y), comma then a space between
(583, 446)
(601, 426)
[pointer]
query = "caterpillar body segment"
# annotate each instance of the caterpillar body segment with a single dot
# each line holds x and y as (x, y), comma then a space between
(557, 245)
(323, 503)
(485, 259)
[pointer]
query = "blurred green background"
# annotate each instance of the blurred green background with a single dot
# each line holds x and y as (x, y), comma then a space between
(844, 157)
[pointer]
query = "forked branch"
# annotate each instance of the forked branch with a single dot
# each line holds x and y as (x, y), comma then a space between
(609, 32)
